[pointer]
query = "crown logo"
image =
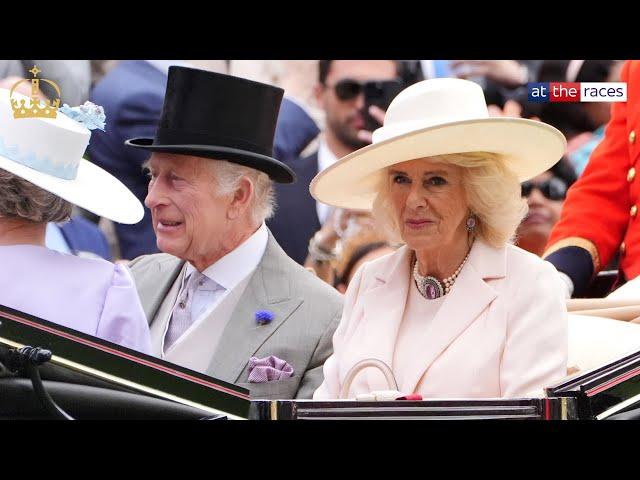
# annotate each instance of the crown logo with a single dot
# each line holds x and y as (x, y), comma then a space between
(37, 108)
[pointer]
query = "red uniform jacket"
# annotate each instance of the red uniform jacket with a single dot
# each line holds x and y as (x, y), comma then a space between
(600, 214)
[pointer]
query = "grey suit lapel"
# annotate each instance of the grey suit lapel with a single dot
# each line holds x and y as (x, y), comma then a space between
(268, 289)
(156, 283)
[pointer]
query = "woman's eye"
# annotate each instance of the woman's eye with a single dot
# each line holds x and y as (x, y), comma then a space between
(436, 181)
(400, 179)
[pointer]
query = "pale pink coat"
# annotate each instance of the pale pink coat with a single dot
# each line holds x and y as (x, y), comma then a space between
(501, 331)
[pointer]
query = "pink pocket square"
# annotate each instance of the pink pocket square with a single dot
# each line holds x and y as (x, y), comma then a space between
(268, 369)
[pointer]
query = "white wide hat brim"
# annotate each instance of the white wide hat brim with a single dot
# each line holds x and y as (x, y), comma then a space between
(527, 147)
(93, 189)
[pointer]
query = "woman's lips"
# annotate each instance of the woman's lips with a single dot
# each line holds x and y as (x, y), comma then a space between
(418, 224)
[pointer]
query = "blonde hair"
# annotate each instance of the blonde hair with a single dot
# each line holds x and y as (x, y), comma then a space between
(493, 194)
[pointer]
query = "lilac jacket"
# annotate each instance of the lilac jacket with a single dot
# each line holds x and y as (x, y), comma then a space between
(90, 295)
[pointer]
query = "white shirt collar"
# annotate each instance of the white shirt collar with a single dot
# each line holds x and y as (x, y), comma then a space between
(236, 265)
(326, 157)
(163, 65)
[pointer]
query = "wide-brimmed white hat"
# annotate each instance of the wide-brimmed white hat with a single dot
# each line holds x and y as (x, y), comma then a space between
(438, 117)
(48, 153)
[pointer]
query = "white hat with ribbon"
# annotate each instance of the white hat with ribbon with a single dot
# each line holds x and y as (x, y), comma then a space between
(438, 117)
(48, 153)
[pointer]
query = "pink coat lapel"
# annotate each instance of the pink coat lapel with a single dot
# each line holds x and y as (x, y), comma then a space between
(468, 298)
(384, 306)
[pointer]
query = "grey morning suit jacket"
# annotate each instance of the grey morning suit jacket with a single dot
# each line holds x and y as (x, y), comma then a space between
(306, 313)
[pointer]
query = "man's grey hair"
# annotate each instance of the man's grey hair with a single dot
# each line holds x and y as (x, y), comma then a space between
(22, 199)
(228, 176)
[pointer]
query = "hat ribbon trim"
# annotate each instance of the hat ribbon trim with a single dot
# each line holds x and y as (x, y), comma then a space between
(41, 164)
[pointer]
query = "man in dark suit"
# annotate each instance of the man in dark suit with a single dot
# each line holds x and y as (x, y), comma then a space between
(132, 94)
(298, 216)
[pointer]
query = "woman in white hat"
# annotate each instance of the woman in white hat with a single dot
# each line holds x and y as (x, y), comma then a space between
(42, 174)
(458, 311)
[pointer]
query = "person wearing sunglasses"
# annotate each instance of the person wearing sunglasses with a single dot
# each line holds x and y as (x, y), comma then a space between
(545, 196)
(343, 86)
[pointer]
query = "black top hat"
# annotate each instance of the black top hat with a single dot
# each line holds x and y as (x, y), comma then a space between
(222, 117)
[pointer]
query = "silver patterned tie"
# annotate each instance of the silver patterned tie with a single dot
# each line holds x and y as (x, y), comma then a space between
(182, 319)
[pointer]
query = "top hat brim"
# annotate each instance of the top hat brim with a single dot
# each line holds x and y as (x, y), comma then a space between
(277, 171)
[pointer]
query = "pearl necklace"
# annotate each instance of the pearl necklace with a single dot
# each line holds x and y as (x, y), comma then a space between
(430, 287)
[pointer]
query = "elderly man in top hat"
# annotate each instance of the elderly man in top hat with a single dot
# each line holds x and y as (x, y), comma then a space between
(223, 298)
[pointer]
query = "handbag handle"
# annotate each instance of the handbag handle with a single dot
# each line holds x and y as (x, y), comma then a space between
(361, 365)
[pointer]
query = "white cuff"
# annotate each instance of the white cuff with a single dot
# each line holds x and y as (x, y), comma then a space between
(568, 282)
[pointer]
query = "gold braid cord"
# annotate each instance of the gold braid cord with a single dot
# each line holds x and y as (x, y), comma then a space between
(588, 245)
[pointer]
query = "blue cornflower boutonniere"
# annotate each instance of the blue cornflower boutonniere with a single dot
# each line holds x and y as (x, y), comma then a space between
(264, 317)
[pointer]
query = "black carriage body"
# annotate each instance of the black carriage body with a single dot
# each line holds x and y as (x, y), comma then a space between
(88, 373)
(101, 380)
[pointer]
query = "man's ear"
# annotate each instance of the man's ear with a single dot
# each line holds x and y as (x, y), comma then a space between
(241, 198)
